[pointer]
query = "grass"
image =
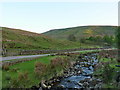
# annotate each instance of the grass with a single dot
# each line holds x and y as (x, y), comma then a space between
(24, 74)
(15, 40)
(82, 32)
(24, 67)
(28, 67)
(112, 62)
(87, 51)
(20, 39)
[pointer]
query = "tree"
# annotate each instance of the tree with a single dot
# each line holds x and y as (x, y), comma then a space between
(108, 39)
(98, 38)
(95, 39)
(71, 37)
(82, 40)
(91, 38)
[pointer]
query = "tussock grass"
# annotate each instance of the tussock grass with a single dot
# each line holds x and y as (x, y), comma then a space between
(30, 73)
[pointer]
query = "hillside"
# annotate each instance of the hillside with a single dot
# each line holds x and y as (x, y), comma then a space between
(20, 39)
(82, 32)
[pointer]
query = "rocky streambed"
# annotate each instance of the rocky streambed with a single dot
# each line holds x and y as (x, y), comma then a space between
(78, 76)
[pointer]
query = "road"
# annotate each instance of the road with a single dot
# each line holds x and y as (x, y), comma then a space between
(21, 57)
(33, 56)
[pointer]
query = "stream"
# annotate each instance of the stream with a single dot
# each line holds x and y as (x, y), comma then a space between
(80, 75)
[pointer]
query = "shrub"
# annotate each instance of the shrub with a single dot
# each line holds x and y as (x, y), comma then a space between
(23, 79)
(20, 82)
(59, 61)
(107, 73)
(23, 76)
(56, 66)
(5, 67)
(40, 68)
(14, 69)
(118, 60)
(14, 83)
(56, 61)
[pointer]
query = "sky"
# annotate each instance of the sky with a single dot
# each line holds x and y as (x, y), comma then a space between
(43, 16)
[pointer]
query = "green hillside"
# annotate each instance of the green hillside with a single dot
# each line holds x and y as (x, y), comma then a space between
(82, 31)
(54, 39)
(20, 39)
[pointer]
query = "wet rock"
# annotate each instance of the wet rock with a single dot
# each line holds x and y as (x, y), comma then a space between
(90, 68)
(99, 80)
(43, 85)
(49, 87)
(68, 81)
(99, 85)
(57, 80)
(79, 57)
(81, 81)
(93, 82)
(60, 86)
(87, 80)
(79, 72)
(80, 84)
(34, 87)
(86, 65)
(59, 77)
(86, 84)
(65, 72)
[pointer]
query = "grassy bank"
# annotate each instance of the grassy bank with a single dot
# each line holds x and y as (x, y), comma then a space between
(15, 75)
(107, 71)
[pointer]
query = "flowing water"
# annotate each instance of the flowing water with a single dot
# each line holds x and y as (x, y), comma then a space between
(81, 74)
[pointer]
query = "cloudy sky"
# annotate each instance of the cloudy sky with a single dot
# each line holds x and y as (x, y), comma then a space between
(43, 16)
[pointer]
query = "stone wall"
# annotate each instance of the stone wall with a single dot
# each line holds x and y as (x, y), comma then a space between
(14, 52)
